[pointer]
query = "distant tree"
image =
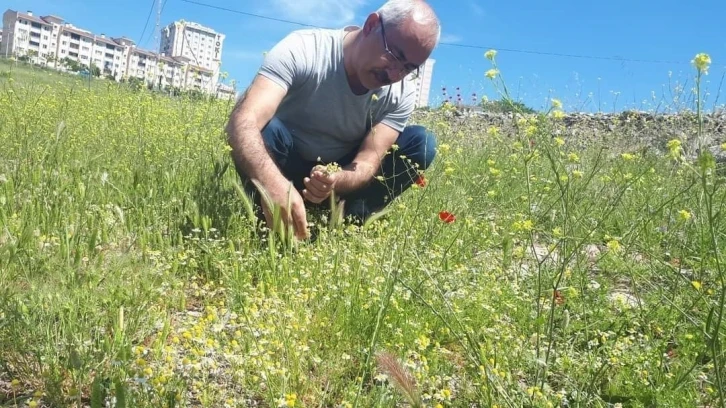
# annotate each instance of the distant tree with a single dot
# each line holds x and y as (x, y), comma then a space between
(505, 106)
(71, 64)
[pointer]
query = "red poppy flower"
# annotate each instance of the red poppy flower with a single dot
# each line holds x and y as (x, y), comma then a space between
(421, 181)
(559, 299)
(447, 217)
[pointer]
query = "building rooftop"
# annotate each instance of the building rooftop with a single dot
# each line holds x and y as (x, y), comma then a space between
(144, 52)
(195, 26)
(29, 16)
(53, 19)
(76, 30)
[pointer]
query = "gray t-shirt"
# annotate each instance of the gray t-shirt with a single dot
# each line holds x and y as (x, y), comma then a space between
(326, 119)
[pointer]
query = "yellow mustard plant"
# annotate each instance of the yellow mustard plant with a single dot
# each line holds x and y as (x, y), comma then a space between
(614, 245)
(684, 215)
(490, 55)
(674, 148)
(702, 61)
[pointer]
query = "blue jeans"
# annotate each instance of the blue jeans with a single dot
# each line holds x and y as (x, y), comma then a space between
(415, 143)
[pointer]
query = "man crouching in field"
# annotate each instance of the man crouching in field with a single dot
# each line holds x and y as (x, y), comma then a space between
(337, 96)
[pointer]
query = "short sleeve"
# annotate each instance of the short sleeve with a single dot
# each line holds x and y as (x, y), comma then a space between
(286, 63)
(398, 114)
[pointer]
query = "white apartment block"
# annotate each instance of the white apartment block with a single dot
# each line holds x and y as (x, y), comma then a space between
(190, 57)
(201, 45)
(423, 83)
(26, 34)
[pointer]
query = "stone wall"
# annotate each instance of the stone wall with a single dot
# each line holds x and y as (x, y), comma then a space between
(627, 131)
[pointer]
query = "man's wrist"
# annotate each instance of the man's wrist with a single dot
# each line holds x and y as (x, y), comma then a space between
(353, 177)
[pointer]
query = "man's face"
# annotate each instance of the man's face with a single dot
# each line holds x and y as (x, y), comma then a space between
(393, 53)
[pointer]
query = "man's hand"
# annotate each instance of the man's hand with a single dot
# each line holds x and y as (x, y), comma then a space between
(319, 185)
(367, 162)
(280, 195)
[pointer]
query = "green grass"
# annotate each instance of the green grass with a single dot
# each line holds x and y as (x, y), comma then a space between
(130, 270)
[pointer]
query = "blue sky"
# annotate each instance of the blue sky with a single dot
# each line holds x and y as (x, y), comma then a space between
(663, 30)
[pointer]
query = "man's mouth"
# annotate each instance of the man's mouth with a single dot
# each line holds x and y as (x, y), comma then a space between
(382, 77)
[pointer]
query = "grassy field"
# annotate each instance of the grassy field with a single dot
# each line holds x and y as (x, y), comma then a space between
(524, 273)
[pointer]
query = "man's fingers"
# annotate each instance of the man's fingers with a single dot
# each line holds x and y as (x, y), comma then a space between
(317, 186)
(310, 196)
(300, 221)
(322, 178)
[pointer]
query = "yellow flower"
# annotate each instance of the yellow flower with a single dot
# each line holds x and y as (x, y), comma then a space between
(577, 173)
(526, 225)
(674, 147)
(684, 215)
(573, 157)
(449, 171)
(702, 61)
(696, 285)
(492, 73)
(627, 156)
(559, 141)
(558, 114)
(490, 55)
(613, 245)
(445, 147)
(556, 104)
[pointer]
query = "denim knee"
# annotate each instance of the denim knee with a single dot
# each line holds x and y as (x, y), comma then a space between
(420, 145)
(278, 140)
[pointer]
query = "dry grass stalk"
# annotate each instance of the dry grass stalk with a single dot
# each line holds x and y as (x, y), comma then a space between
(399, 376)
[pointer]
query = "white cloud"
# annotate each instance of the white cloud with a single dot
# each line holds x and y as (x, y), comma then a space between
(323, 13)
(450, 38)
(476, 9)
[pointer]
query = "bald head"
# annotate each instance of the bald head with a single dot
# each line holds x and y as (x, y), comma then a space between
(417, 15)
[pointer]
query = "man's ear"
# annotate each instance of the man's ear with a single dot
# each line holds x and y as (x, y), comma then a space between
(371, 23)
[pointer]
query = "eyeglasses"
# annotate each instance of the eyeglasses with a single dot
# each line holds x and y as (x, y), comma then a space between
(404, 67)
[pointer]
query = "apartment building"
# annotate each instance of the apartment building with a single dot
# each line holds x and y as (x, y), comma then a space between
(26, 34)
(423, 83)
(190, 58)
(201, 45)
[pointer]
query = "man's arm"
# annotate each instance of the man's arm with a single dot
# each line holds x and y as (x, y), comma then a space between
(358, 173)
(251, 158)
(367, 162)
(251, 113)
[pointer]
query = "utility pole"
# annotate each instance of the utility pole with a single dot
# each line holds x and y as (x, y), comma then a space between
(157, 40)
